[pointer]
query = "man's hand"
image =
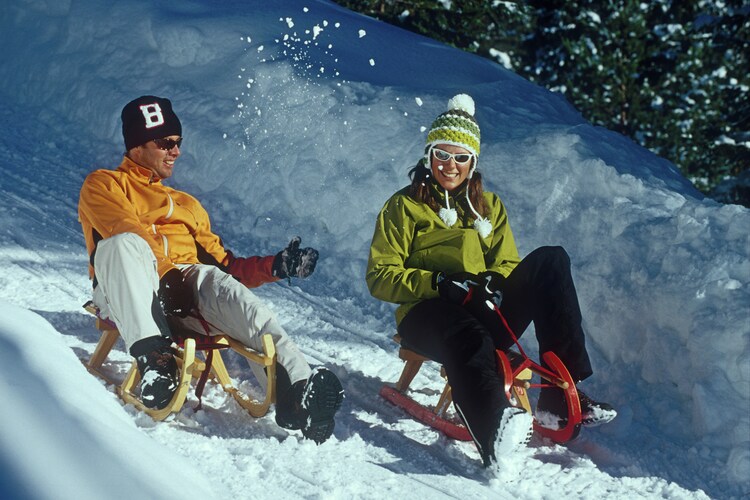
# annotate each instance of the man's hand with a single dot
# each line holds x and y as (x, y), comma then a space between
(175, 295)
(295, 262)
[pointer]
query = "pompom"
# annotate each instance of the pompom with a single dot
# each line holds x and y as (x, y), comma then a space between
(448, 215)
(463, 102)
(483, 226)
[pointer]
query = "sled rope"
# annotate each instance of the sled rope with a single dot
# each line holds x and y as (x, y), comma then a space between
(206, 344)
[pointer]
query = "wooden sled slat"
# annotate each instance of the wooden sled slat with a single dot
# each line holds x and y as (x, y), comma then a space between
(190, 367)
(125, 390)
(267, 360)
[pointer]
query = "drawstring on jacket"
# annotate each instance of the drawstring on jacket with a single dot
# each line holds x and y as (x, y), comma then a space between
(448, 214)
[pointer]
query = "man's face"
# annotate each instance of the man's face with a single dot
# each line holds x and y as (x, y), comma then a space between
(160, 161)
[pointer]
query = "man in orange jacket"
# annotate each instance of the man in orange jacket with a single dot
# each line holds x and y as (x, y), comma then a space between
(156, 265)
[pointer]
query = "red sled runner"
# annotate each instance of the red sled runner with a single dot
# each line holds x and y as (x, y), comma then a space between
(517, 370)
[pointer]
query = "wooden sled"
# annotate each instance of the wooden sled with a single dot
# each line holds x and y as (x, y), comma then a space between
(191, 367)
(436, 417)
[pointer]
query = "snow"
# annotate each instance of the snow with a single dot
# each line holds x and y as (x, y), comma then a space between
(289, 130)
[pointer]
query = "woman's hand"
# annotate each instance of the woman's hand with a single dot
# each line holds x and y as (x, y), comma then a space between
(455, 287)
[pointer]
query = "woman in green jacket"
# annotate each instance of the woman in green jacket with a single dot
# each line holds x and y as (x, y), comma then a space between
(443, 235)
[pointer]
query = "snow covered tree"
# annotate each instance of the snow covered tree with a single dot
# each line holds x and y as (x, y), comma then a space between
(721, 42)
(668, 74)
(491, 28)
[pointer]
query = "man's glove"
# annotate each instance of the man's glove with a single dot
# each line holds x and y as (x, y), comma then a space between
(175, 295)
(455, 287)
(295, 262)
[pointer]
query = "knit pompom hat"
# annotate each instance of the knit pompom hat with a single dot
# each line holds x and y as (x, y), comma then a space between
(458, 127)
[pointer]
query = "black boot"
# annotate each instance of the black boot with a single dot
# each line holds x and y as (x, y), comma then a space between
(514, 429)
(595, 413)
(289, 412)
(500, 431)
(309, 405)
(552, 409)
(158, 370)
(322, 399)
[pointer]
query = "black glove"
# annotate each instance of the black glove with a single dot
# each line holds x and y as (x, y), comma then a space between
(175, 295)
(455, 287)
(295, 262)
(492, 280)
(491, 285)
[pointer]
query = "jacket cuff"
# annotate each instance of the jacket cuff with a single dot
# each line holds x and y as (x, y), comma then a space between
(252, 271)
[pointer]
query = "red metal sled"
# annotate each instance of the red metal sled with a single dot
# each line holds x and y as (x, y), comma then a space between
(517, 381)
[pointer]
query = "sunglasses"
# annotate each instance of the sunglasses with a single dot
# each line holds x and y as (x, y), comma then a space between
(167, 144)
(459, 158)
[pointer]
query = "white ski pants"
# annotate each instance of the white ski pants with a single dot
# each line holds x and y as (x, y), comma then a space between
(127, 288)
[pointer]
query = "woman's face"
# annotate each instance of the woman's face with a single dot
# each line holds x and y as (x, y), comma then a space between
(450, 165)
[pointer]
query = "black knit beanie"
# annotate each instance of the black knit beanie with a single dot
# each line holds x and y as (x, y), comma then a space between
(148, 118)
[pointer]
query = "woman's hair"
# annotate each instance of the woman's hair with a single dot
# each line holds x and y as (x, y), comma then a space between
(419, 189)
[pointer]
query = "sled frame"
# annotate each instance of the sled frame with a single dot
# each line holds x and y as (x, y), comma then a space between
(436, 417)
(191, 367)
(517, 377)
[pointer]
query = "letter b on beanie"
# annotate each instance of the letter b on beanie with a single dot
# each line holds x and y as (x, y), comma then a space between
(148, 118)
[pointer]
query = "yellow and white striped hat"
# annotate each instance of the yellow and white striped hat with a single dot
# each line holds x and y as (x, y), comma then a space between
(457, 126)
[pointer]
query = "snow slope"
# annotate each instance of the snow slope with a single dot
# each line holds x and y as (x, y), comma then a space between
(301, 117)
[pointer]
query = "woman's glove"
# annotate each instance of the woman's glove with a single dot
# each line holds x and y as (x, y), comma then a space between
(492, 280)
(491, 287)
(295, 262)
(455, 287)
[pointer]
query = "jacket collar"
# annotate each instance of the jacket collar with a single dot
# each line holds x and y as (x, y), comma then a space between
(140, 173)
(438, 192)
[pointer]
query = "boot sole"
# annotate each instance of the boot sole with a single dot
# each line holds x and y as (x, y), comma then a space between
(322, 399)
(514, 432)
(553, 422)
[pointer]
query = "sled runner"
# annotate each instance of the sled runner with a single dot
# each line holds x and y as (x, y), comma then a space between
(517, 369)
(191, 367)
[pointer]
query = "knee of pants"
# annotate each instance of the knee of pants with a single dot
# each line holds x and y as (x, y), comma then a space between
(554, 255)
(128, 256)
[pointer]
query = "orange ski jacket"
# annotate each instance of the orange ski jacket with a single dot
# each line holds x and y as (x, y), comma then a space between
(132, 199)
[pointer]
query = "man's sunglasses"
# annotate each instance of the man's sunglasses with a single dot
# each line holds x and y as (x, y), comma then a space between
(167, 144)
(459, 158)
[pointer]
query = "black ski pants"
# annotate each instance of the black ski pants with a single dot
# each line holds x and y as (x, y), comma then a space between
(540, 289)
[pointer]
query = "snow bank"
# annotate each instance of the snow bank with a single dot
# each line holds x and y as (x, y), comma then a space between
(54, 410)
(290, 130)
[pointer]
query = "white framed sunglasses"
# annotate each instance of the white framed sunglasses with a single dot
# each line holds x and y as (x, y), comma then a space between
(444, 156)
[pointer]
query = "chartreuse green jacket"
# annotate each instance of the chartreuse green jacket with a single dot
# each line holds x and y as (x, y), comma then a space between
(411, 243)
